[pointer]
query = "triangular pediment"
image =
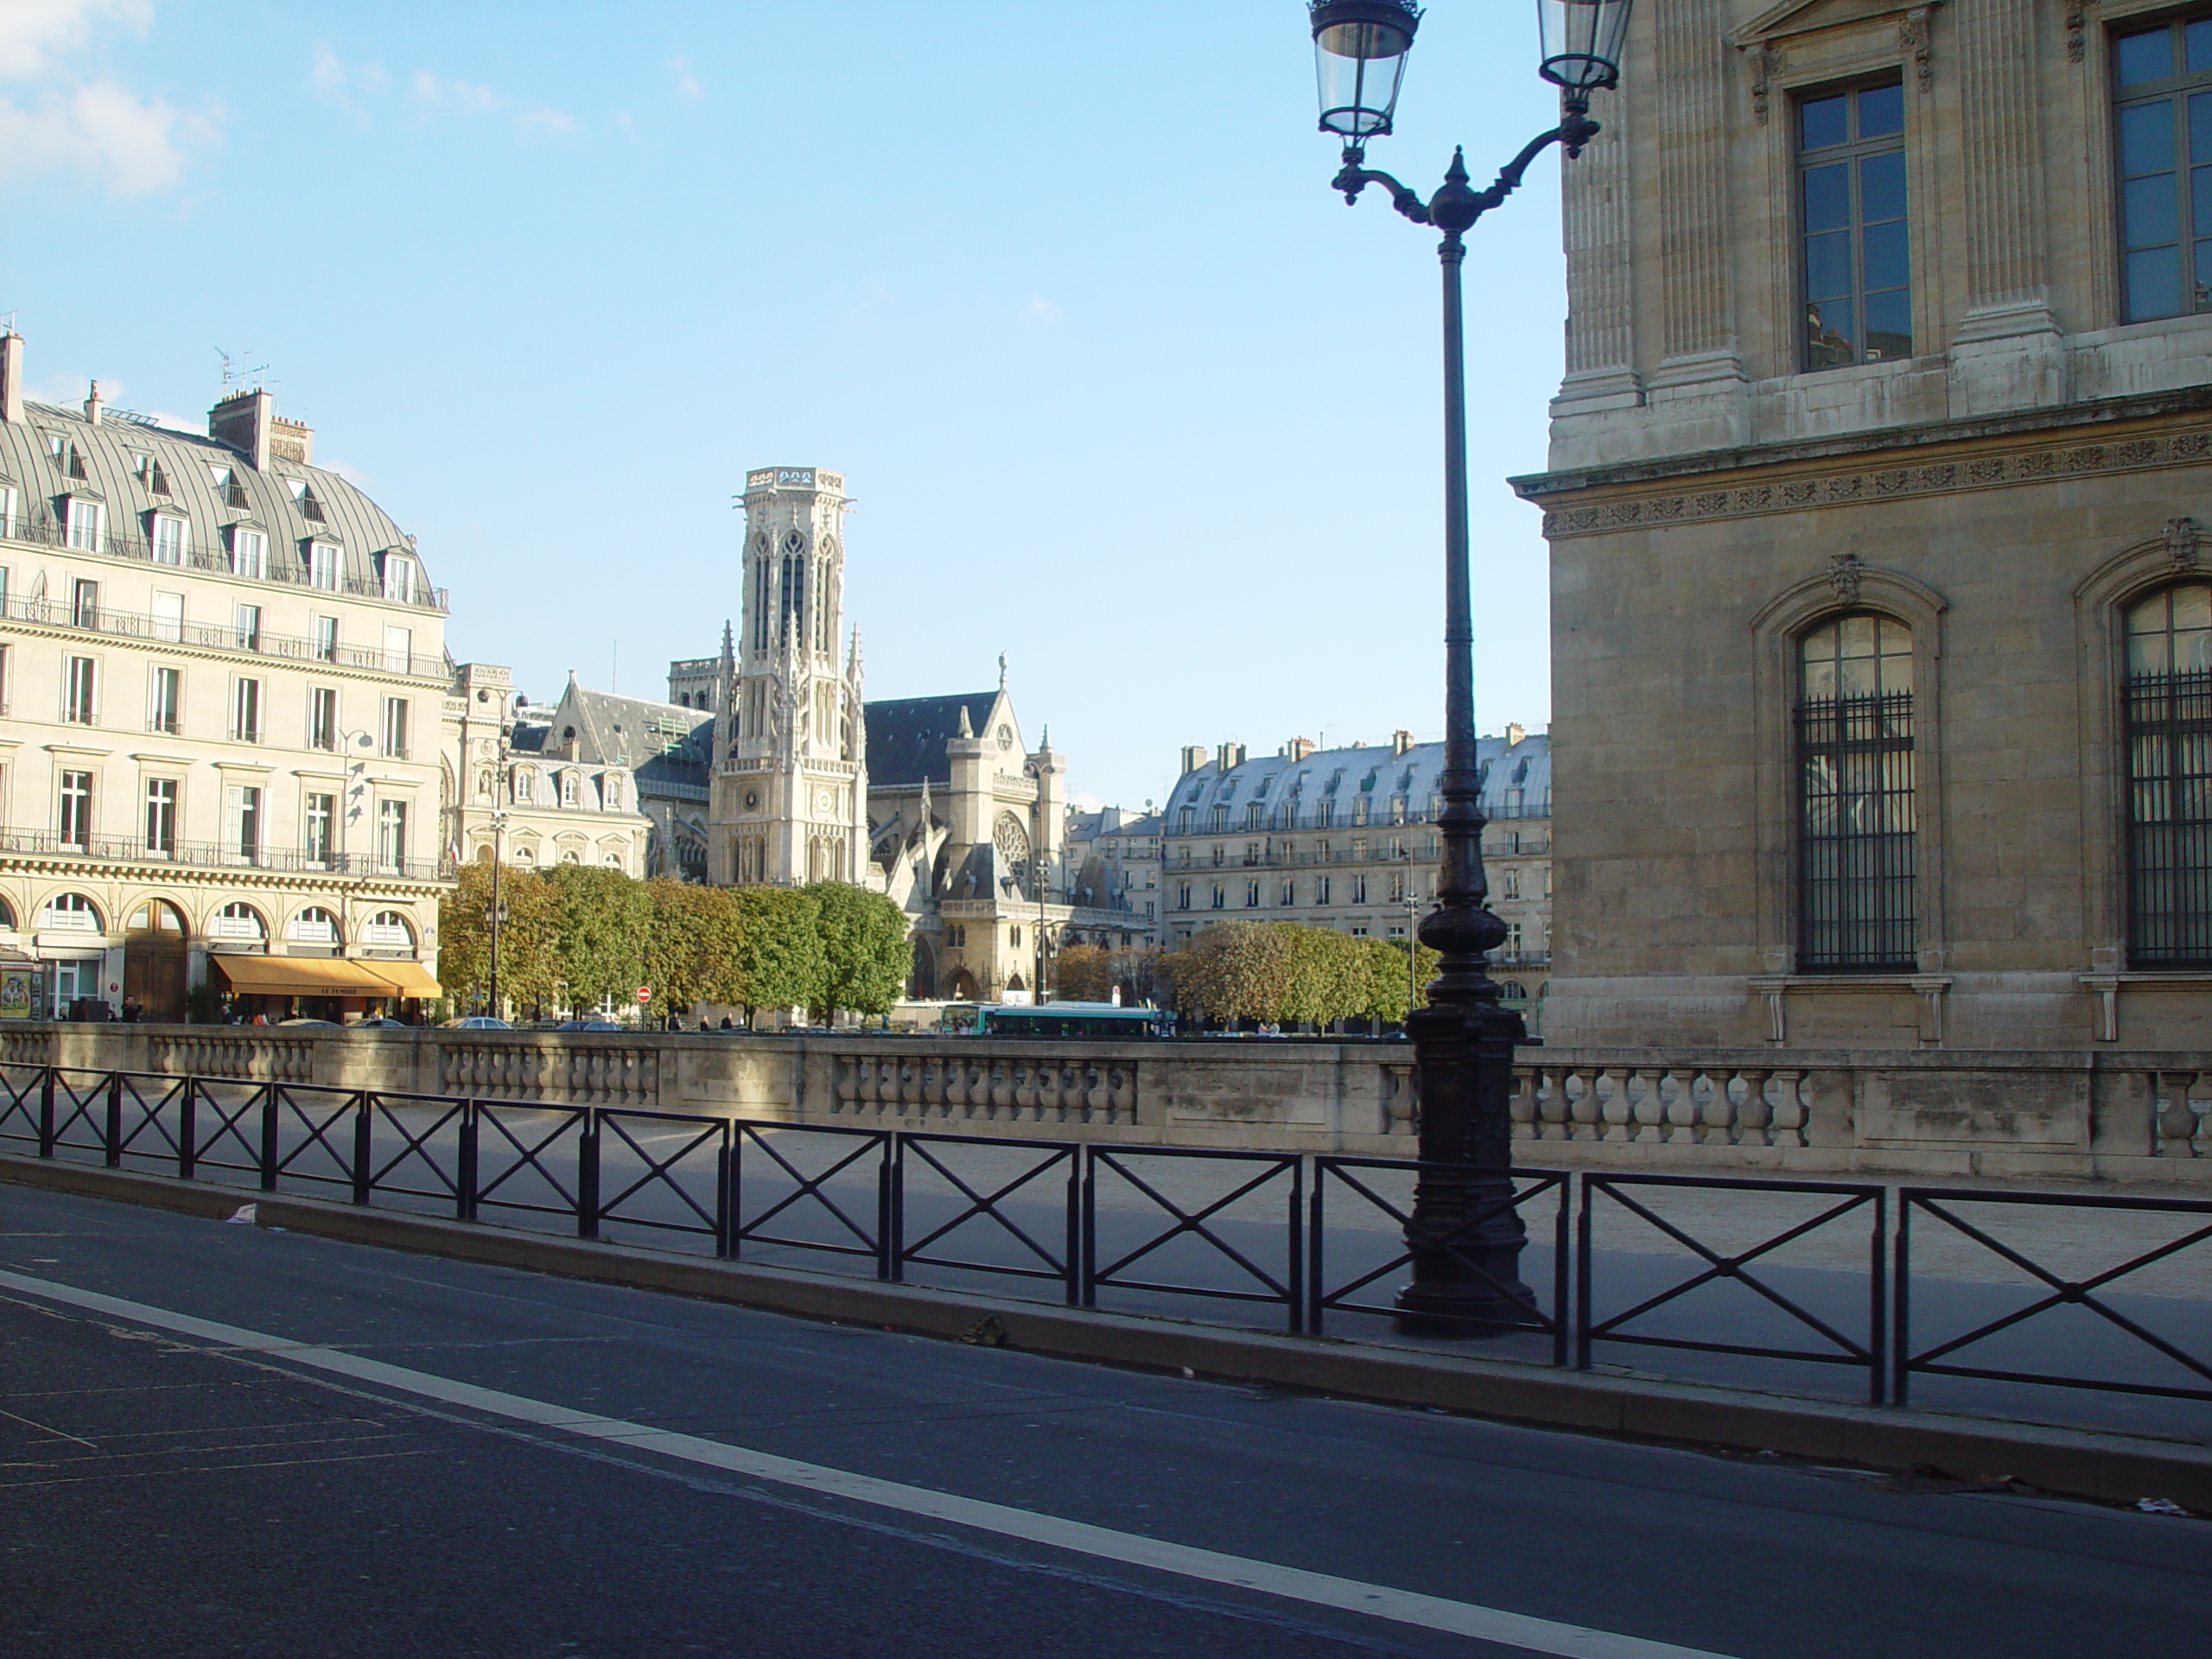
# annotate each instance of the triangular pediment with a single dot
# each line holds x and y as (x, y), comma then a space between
(1794, 17)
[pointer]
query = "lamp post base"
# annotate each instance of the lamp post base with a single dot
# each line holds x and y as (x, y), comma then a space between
(1464, 1234)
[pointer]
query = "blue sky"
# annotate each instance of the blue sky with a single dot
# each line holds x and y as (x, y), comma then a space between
(1121, 388)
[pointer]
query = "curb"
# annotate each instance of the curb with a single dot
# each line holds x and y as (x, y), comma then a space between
(2080, 1463)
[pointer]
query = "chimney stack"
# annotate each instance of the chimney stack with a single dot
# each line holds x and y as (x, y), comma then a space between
(1298, 748)
(243, 420)
(1194, 756)
(1515, 731)
(11, 378)
(92, 405)
(1401, 742)
(1232, 756)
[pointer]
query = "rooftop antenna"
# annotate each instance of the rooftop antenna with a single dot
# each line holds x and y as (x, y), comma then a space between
(233, 376)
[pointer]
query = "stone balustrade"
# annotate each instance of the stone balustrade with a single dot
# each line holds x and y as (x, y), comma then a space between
(1921, 1113)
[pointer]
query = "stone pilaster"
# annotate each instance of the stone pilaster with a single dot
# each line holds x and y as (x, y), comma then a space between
(1601, 274)
(2006, 351)
(1699, 357)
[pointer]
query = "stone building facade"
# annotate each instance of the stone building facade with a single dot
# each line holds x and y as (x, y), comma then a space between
(1347, 839)
(551, 786)
(223, 674)
(1880, 617)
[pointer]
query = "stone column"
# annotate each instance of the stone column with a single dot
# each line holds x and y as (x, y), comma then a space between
(2006, 353)
(1700, 359)
(1596, 188)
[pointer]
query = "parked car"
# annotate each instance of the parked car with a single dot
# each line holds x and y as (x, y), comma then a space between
(328, 1025)
(588, 1025)
(476, 1023)
(368, 1025)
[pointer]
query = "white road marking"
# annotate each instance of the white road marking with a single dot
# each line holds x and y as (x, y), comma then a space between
(1542, 1635)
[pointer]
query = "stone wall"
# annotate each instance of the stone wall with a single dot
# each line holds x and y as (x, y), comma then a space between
(1922, 1114)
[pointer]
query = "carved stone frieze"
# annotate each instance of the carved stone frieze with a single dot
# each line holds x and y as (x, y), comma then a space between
(2077, 29)
(1883, 483)
(1912, 36)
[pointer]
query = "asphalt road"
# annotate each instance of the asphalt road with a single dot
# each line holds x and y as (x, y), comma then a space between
(387, 1454)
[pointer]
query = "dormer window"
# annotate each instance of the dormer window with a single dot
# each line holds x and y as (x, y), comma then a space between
(66, 456)
(249, 551)
(304, 494)
(87, 519)
(168, 538)
(229, 485)
(400, 577)
(322, 566)
(150, 474)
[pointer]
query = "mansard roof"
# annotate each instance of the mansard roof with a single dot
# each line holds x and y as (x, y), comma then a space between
(906, 736)
(620, 731)
(107, 454)
(1375, 771)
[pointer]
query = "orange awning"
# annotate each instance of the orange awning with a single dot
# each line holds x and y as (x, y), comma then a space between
(411, 978)
(303, 975)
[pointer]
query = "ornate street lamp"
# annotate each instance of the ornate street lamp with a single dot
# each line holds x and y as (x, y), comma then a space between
(1465, 1235)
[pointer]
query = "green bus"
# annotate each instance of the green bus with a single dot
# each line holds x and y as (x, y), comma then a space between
(1049, 1019)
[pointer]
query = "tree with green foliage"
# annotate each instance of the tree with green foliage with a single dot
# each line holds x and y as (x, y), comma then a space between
(778, 955)
(603, 919)
(528, 973)
(866, 956)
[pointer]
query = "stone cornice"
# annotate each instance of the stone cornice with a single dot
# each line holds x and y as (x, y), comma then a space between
(1941, 459)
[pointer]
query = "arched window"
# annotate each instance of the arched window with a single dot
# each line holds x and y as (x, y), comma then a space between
(7, 916)
(239, 923)
(791, 593)
(388, 930)
(526, 784)
(313, 925)
(2169, 716)
(1855, 810)
(71, 912)
(568, 788)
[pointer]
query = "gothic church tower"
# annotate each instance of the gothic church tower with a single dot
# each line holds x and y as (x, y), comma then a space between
(790, 783)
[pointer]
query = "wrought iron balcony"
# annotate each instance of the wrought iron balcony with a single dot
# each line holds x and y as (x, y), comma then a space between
(131, 624)
(43, 530)
(217, 856)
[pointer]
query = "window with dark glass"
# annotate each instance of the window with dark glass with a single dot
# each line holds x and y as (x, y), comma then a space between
(1855, 812)
(2162, 119)
(1854, 246)
(76, 809)
(161, 814)
(2168, 713)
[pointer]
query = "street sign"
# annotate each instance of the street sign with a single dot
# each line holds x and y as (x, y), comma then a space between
(645, 993)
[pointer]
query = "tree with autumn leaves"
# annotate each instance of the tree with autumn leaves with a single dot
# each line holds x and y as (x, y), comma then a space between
(1284, 973)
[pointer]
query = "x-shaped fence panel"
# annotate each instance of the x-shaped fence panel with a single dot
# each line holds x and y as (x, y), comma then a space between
(316, 1134)
(227, 1127)
(79, 1120)
(1220, 1267)
(544, 1158)
(2050, 1291)
(764, 1167)
(1000, 1202)
(1356, 1180)
(665, 1171)
(1732, 1264)
(21, 1088)
(415, 1145)
(146, 1117)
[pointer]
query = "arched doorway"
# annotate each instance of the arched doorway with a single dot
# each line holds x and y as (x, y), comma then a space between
(153, 959)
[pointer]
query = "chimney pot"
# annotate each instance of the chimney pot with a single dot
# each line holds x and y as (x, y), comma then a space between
(11, 378)
(92, 404)
(1401, 742)
(1515, 731)
(1194, 756)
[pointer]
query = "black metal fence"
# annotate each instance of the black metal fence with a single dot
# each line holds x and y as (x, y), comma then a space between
(1314, 1239)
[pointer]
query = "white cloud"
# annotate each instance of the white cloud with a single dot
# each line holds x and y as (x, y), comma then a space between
(470, 98)
(132, 142)
(687, 84)
(33, 33)
(474, 98)
(104, 129)
(336, 80)
(1040, 309)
